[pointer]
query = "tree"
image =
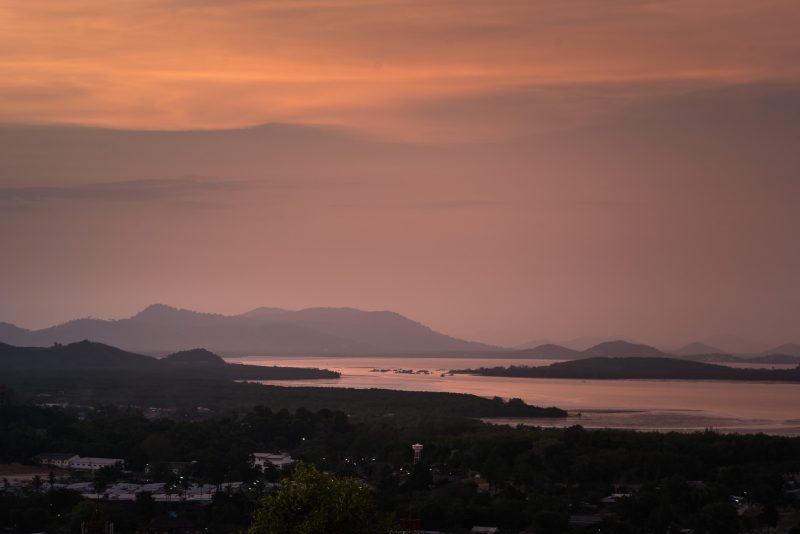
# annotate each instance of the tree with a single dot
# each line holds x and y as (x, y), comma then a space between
(550, 522)
(144, 507)
(313, 503)
(82, 512)
(104, 477)
(719, 518)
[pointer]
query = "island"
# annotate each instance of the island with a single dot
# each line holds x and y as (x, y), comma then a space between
(638, 368)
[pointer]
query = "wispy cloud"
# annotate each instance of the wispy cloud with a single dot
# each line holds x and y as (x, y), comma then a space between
(187, 190)
(359, 63)
(455, 204)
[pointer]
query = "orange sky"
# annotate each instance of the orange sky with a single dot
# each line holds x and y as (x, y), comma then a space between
(374, 64)
(503, 171)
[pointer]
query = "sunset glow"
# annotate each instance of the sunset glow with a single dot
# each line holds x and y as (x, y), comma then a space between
(503, 171)
(393, 67)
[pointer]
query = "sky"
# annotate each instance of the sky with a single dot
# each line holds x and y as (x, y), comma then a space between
(503, 171)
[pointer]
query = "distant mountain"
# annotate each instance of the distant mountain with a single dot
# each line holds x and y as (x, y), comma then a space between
(614, 349)
(772, 358)
(731, 344)
(547, 351)
(86, 357)
(587, 342)
(14, 334)
(639, 368)
(608, 349)
(161, 329)
(696, 349)
(791, 349)
(382, 330)
(622, 349)
(265, 312)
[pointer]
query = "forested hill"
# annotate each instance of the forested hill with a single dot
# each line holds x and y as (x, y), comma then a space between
(639, 368)
(87, 373)
(89, 357)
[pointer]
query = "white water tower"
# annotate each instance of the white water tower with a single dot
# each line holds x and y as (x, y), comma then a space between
(417, 447)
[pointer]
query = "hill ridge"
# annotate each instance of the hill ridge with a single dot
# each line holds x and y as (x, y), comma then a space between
(163, 329)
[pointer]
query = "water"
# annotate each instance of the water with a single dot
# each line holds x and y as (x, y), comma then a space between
(682, 405)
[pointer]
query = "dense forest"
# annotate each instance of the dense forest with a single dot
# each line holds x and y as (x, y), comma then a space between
(639, 368)
(163, 413)
(91, 357)
(550, 480)
(189, 398)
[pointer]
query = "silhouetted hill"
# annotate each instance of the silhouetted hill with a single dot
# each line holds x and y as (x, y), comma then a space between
(585, 342)
(220, 335)
(167, 315)
(622, 349)
(14, 335)
(194, 357)
(610, 349)
(79, 355)
(264, 312)
(382, 330)
(639, 368)
(733, 344)
(547, 351)
(791, 349)
(87, 357)
(772, 358)
(161, 329)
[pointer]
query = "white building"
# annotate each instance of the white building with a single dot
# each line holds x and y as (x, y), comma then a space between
(93, 464)
(56, 459)
(278, 460)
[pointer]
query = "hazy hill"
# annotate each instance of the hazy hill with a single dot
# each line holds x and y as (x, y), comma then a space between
(161, 333)
(639, 368)
(577, 344)
(696, 349)
(732, 344)
(547, 351)
(622, 349)
(772, 358)
(161, 329)
(791, 349)
(383, 330)
(14, 334)
(609, 349)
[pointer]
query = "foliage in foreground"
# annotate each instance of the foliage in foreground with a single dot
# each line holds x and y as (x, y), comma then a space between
(313, 503)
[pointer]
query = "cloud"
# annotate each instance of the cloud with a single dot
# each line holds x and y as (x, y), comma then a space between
(433, 205)
(214, 64)
(188, 191)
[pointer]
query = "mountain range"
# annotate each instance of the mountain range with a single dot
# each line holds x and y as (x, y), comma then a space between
(160, 329)
(623, 349)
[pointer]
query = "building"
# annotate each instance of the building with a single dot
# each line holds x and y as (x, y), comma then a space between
(56, 459)
(279, 460)
(417, 448)
(93, 464)
(175, 467)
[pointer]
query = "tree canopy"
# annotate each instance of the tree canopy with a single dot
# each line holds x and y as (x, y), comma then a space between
(311, 502)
